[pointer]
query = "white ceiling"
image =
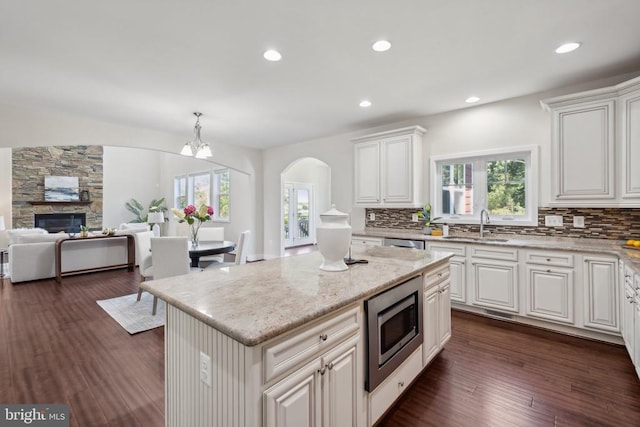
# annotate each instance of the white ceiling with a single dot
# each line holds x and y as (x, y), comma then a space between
(151, 63)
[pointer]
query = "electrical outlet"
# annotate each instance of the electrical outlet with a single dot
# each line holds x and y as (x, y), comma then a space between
(372, 216)
(553, 220)
(205, 369)
(578, 222)
(414, 218)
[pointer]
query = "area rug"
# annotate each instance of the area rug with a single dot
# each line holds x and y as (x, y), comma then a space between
(134, 316)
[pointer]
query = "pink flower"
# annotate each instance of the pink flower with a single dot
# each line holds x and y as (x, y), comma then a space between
(209, 210)
(189, 210)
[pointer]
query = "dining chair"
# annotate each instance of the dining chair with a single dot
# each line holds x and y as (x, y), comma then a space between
(143, 256)
(170, 257)
(241, 252)
(211, 234)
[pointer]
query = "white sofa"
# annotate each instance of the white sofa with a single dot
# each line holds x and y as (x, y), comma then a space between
(32, 255)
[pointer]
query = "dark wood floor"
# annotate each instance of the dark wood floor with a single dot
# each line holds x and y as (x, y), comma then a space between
(58, 346)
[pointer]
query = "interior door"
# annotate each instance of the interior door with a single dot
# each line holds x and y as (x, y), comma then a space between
(297, 214)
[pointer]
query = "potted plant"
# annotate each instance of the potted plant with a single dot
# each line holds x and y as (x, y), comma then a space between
(425, 215)
(84, 231)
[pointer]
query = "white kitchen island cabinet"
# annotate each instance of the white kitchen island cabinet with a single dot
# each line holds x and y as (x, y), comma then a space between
(279, 342)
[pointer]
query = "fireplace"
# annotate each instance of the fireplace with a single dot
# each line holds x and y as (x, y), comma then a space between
(67, 222)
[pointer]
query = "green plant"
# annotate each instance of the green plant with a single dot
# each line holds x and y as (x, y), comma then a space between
(425, 214)
(136, 208)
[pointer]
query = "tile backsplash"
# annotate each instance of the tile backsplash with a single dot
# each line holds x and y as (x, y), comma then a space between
(599, 223)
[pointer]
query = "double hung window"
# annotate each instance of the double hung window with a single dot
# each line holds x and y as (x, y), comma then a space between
(501, 181)
(204, 188)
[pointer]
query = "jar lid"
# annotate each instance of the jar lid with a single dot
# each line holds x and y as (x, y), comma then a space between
(333, 212)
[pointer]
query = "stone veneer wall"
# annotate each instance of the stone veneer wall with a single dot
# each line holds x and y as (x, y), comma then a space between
(31, 165)
(600, 223)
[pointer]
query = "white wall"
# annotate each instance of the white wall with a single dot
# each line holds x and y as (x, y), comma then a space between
(513, 122)
(27, 127)
(5, 185)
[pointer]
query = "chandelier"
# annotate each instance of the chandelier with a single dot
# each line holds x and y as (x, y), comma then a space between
(196, 147)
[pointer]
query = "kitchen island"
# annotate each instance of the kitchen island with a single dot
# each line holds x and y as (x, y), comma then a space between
(249, 345)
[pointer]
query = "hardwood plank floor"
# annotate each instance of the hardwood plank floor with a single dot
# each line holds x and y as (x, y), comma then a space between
(495, 373)
(59, 346)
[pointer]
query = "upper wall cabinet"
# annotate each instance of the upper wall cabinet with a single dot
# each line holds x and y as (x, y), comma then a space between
(595, 143)
(388, 169)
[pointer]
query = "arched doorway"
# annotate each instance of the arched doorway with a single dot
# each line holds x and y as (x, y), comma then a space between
(305, 193)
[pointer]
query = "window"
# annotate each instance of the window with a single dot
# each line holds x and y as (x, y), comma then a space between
(204, 188)
(500, 181)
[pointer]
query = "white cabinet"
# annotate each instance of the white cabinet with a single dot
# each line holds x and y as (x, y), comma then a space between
(550, 286)
(366, 241)
(630, 135)
(628, 309)
(324, 392)
(636, 320)
(600, 293)
(393, 386)
(582, 148)
(458, 269)
(588, 130)
(319, 375)
(494, 278)
(388, 169)
(437, 312)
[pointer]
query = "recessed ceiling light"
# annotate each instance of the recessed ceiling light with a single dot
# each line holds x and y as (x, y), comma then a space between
(272, 55)
(381, 46)
(472, 99)
(365, 103)
(568, 47)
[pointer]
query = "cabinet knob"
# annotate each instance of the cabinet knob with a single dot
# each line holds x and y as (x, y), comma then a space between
(323, 337)
(548, 271)
(330, 365)
(439, 274)
(548, 259)
(401, 383)
(322, 370)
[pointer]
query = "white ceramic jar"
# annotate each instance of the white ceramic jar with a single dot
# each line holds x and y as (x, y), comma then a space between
(334, 238)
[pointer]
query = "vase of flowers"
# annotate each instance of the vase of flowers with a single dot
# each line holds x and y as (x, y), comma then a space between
(194, 217)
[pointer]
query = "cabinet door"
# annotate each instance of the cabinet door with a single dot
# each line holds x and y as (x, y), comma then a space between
(628, 319)
(367, 172)
(431, 343)
(601, 293)
(397, 170)
(341, 387)
(293, 401)
(636, 345)
(550, 293)
(582, 143)
(458, 280)
(631, 145)
(444, 313)
(495, 284)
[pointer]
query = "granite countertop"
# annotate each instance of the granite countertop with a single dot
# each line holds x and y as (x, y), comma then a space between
(612, 247)
(258, 301)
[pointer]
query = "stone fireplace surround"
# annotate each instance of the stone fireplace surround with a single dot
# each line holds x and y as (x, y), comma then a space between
(31, 164)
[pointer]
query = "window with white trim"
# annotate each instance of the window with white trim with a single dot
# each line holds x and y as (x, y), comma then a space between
(503, 182)
(204, 188)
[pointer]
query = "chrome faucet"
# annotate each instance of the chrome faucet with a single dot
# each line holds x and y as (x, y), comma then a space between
(484, 213)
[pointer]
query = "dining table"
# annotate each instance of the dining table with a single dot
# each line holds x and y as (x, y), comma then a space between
(215, 247)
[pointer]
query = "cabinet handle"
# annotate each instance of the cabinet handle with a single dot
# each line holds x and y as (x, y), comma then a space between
(439, 274)
(548, 271)
(323, 370)
(548, 259)
(401, 383)
(330, 365)
(323, 337)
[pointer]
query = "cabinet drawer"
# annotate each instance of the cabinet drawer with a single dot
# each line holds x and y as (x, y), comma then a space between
(295, 349)
(493, 252)
(369, 241)
(455, 249)
(549, 258)
(437, 276)
(382, 397)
